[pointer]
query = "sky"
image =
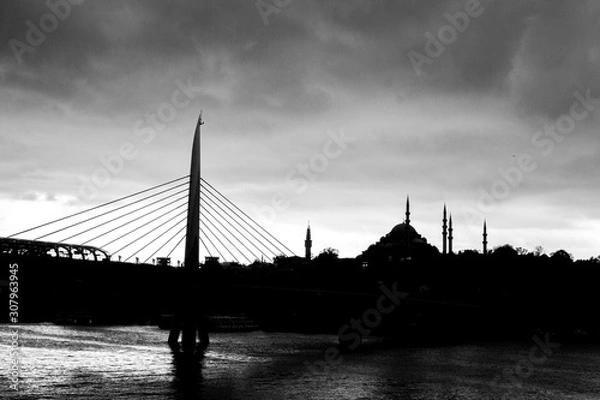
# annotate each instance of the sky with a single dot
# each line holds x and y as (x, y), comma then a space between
(328, 111)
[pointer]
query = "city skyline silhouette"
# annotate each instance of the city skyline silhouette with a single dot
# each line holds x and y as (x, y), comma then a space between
(299, 131)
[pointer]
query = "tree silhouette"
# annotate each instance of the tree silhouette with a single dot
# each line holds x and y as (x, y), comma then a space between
(562, 255)
(328, 254)
(522, 251)
(505, 251)
(538, 251)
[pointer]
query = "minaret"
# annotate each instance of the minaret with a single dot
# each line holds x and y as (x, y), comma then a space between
(308, 244)
(444, 231)
(450, 237)
(407, 220)
(485, 242)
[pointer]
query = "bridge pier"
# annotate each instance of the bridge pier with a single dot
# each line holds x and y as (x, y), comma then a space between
(188, 337)
(174, 334)
(187, 330)
(189, 321)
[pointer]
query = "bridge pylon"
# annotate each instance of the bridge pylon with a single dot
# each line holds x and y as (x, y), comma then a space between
(189, 320)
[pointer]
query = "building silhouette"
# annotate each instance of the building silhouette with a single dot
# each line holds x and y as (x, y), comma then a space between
(444, 231)
(485, 242)
(450, 235)
(308, 244)
(403, 241)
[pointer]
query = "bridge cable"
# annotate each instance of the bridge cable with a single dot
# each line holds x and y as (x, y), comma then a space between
(232, 225)
(268, 249)
(229, 205)
(122, 216)
(179, 242)
(108, 212)
(232, 235)
(204, 244)
(138, 228)
(247, 216)
(97, 207)
(169, 240)
(133, 220)
(224, 236)
(160, 235)
(216, 221)
(211, 243)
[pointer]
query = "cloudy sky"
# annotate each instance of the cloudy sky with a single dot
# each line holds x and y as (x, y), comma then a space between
(328, 111)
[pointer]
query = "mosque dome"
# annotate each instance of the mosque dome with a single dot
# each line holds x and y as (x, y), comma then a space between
(401, 242)
(404, 230)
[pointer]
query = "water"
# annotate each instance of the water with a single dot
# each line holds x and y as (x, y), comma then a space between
(135, 363)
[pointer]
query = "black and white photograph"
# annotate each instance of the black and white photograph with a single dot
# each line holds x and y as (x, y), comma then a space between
(300, 199)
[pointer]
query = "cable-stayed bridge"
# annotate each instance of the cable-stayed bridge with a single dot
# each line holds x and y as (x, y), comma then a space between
(149, 226)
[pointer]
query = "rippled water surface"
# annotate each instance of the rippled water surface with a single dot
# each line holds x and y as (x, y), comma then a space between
(135, 363)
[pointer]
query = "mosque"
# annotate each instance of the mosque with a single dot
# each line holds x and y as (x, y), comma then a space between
(404, 242)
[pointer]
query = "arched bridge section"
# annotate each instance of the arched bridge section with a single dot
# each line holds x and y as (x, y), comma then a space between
(36, 248)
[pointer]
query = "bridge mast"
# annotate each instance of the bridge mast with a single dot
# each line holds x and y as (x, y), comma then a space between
(187, 321)
(192, 235)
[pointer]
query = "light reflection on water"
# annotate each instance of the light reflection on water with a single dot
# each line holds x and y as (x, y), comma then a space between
(135, 363)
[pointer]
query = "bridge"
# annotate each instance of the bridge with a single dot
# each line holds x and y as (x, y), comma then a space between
(149, 226)
(36, 248)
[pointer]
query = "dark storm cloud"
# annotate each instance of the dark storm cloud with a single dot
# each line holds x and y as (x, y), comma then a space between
(357, 44)
(139, 34)
(553, 36)
(560, 54)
